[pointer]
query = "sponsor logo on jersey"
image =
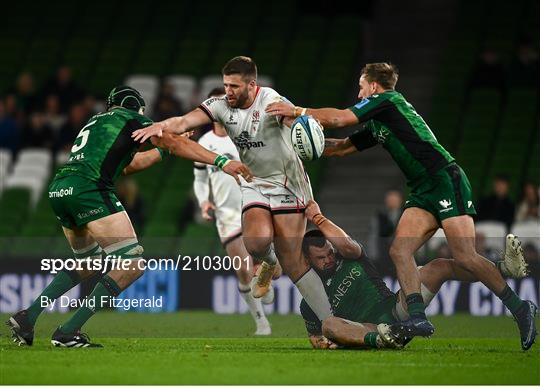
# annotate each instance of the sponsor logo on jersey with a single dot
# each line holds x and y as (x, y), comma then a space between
(446, 204)
(362, 103)
(61, 193)
(342, 289)
(244, 141)
(232, 120)
(210, 101)
(255, 120)
(381, 135)
(288, 200)
(95, 211)
(77, 157)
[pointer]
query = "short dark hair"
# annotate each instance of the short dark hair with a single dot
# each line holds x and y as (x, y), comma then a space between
(312, 238)
(243, 65)
(385, 74)
(216, 92)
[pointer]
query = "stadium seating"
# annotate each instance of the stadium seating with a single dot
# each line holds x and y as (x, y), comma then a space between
(184, 89)
(265, 81)
(14, 208)
(495, 233)
(176, 48)
(436, 240)
(148, 86)
(35, 156)
(528, 232)
(489, 133)
(5, 164)
(207, 84)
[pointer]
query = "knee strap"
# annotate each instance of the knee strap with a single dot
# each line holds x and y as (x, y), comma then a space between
(93, 251)
(128, 249)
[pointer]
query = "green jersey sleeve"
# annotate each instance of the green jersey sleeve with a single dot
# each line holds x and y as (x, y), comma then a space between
(369, 107)
(363, 139)
(313, 324)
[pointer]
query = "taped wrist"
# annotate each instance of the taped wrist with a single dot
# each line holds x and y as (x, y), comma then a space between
(221, 161)
(299, 111)
(319, 219)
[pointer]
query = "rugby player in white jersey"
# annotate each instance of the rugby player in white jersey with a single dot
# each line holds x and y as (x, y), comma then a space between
(273, 204)
(218, 193)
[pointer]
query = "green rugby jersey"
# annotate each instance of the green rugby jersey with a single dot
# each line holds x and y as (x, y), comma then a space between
(393, 122)
(356, 292)
(104, 146)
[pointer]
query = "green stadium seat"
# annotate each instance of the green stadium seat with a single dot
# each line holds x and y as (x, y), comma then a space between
(514, 139)
(199, 239)
(14, 207)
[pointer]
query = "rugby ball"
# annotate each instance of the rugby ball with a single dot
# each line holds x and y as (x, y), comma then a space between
(307, 138)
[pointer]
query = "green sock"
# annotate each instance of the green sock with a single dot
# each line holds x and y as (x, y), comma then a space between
(61, 283)
(511, 300)
(415, 305)
(370, 339)
(106, 287)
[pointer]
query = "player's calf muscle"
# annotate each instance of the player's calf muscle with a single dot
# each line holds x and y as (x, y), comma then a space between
(436, 272)
(124, 278)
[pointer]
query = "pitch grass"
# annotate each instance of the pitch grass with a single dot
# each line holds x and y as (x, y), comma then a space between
(204, 348)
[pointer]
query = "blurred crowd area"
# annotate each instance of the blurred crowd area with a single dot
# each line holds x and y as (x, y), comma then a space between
(522, 70)
(497, 215)
(51, 116)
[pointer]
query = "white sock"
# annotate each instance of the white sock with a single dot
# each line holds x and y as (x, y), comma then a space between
(427, 296)
(254, 304)
(312, 289)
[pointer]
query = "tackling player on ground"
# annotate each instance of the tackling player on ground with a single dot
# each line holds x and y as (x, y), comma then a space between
(83, 198)
(440, 191)
(273, 204)
(362, 303)
(220, 197)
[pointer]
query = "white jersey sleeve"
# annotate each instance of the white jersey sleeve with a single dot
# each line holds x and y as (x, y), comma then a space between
(215, 108)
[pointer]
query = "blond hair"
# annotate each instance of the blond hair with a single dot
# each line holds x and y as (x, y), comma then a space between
(385, 74)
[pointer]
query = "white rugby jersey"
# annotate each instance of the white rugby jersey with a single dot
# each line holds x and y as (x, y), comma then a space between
(225, 190)
(263, 143)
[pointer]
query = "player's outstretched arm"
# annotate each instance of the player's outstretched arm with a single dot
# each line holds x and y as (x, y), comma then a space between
(183, 147)
(176, 125)
(328, 117)
(345, 245)
(338, 147)
(143, 160)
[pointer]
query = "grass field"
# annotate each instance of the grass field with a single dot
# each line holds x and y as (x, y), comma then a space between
(203, 348)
